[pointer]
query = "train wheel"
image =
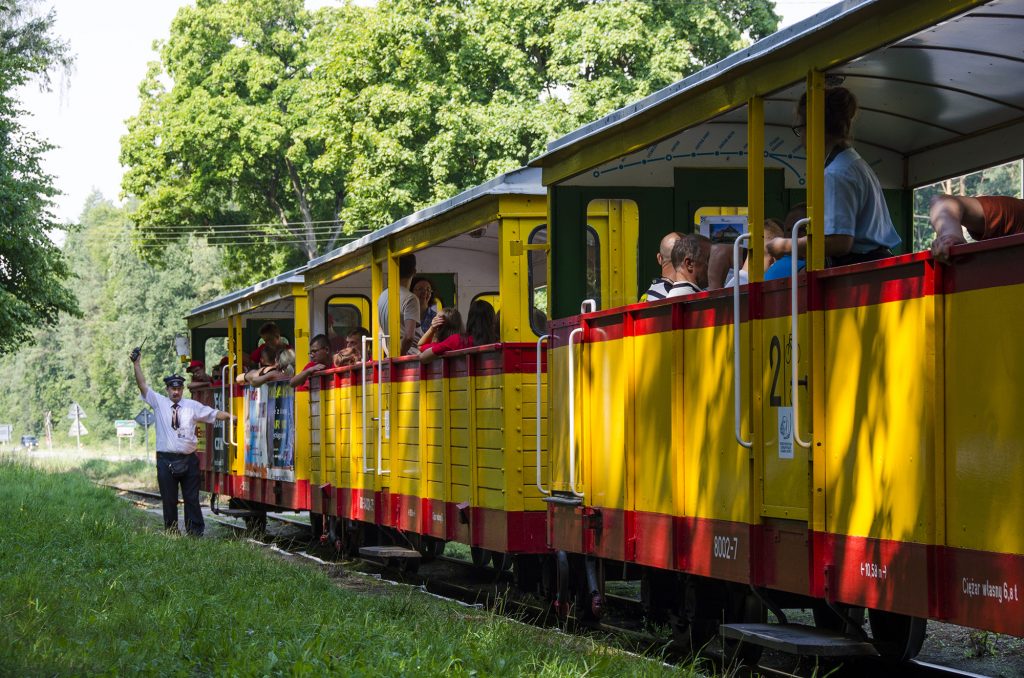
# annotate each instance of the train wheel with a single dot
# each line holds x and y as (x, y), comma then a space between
(429, 547)
(480, 556)
(526, 573)
(898, 637)
(316, 527)
(502, 562)
(658, 595)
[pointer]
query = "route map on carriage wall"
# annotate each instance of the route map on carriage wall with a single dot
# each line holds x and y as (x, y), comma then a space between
(270, 432)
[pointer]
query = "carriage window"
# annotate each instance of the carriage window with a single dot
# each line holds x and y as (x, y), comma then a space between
(341, 317)
(593, 266)
(537, 279)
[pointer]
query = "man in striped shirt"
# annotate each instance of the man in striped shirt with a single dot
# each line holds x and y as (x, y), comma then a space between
(690, 256)
(661, 285)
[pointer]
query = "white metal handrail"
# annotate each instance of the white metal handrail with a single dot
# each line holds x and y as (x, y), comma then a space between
(588, 302)
(362, 349)
(224, 405)
(794, 332)
(231, 405)
(380, 416)
(572, 413)
(540, 485)
(737, 401)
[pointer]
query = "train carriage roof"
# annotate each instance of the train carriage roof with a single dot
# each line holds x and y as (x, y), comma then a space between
(523, 181)
(271, 297)
(937, 83)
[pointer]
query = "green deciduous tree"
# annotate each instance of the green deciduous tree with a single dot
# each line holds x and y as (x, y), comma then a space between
(33, 273)
(125, 301)
(351, 117)
(237, 134)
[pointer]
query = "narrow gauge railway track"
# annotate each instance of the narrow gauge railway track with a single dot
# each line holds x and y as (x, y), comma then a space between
(462, 582)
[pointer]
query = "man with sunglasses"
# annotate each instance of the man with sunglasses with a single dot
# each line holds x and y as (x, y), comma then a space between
(319, 360)
(176, 442)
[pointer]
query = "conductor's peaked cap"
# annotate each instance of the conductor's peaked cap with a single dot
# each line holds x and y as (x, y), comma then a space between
(174, 380)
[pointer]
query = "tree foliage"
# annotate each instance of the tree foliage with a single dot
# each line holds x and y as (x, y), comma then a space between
(125, 301)
(350, 117)
(33, 273)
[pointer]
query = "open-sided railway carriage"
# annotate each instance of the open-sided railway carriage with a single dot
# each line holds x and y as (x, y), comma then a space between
(873, 457)
(854, 446)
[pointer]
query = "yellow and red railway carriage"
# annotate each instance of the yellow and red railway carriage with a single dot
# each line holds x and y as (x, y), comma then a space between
(446, 450)
(873, 459)
(262, 462)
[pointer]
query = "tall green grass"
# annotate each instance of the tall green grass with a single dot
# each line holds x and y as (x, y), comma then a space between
(89, 585)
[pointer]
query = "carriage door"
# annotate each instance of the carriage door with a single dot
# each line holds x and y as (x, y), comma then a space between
(604, 385)
(785, 476)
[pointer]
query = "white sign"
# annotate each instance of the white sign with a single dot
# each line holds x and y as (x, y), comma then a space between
(785, 433)
(78, 429)
(76, 412)
(125, 427)
(5, 433)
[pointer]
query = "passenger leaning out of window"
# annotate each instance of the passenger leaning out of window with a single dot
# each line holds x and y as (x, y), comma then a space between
(352, 352)
(857, 223)
(268, 363)
(984, 217)
(445, 332)
(271, 336)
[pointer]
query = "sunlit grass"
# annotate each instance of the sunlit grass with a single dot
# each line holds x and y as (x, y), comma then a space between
(91, 586)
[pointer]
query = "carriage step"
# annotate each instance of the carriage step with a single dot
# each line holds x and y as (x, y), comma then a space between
(799, 639)
(386, 552)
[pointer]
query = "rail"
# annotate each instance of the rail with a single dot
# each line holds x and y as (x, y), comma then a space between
(381, 471)
(362, 349)
(572, 398)
(224, 405)
(737, 380)
(540, 485)
(794, 331)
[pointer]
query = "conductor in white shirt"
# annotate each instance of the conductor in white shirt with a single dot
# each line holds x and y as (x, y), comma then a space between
(176, 461)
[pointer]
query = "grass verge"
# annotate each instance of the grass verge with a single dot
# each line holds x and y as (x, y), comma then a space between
(89, 585)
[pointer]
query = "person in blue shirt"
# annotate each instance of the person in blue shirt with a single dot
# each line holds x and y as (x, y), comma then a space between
(857, 222)
(782, 266)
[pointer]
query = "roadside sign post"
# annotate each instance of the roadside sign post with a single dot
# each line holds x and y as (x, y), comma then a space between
(5, 434)
(76, 414)
(125, 429)
(49, 430)
(145, 418)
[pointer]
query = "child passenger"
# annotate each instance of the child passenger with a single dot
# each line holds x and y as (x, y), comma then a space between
(446, 334)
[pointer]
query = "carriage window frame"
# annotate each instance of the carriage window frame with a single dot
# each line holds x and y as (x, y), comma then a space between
(595, 293)
(532, 309)
(343, 295)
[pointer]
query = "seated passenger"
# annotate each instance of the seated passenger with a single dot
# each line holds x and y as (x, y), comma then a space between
(319, 358)
(782, 267)
(984, 217)
(661, 285)
(772, 230)
(424, 291)
(444, 334)
(857, 225)
(198, 374)
(283, 368)
(690, 257)
(482, 324)
(271, 336)
(268, 363)
(352, 352)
